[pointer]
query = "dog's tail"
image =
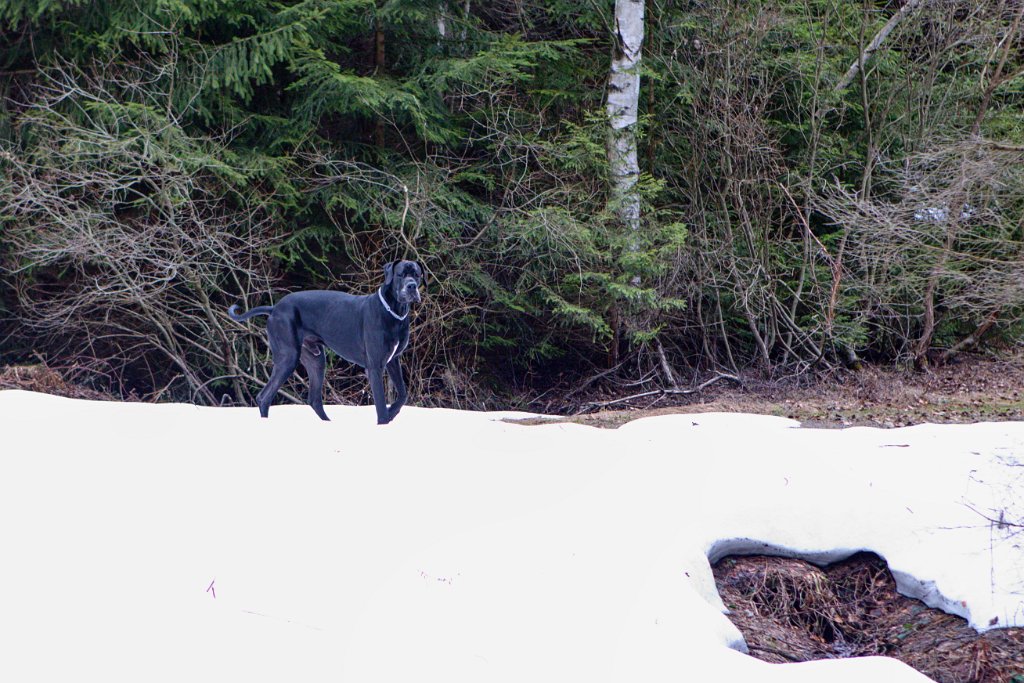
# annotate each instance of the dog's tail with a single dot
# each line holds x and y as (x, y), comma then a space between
(259, 310)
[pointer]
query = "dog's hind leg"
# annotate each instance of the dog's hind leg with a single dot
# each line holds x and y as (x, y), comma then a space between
(315, 361)
(284, 346)
(283, 369)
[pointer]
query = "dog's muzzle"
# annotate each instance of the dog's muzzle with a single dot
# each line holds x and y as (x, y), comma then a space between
(411, 291)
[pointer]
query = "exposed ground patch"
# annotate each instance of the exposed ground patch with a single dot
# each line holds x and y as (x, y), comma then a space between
(975, 389)
(792, 611)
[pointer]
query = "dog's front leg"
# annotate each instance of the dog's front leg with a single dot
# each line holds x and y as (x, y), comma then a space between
(398, 382)
(380, 399)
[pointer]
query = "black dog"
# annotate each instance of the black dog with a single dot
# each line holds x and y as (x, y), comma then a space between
(370, 331)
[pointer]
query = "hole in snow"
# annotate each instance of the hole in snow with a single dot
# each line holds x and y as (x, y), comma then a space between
(792, 611)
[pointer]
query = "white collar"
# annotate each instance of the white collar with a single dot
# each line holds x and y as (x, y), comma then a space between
(380, 295)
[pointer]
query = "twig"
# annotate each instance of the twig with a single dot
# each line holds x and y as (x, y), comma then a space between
(1004, 147)
(1001, 522)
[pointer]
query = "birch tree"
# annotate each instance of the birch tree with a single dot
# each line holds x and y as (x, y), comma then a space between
(622, 106)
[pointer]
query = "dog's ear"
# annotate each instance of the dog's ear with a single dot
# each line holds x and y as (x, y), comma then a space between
(389, 273)
(423, 274)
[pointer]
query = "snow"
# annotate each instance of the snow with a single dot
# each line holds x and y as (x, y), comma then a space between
(172, 542)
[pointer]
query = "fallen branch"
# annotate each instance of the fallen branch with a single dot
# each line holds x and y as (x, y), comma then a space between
(586, 383)
(663, 392)
(875, 44)
(970, 340)
(777, 653)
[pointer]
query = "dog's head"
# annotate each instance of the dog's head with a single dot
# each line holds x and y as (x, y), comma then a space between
(404, 278)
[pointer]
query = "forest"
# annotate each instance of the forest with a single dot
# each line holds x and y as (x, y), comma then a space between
(654, 190)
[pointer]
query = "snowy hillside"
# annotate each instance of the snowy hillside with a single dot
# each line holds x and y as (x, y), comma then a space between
(170, 542)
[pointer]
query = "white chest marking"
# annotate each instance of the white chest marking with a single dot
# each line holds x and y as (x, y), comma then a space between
(392, 354)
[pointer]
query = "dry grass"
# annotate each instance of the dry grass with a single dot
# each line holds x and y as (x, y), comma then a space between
(46, 380)
(791, 611)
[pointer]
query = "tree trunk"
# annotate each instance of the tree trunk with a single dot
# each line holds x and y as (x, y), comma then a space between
(622, 107)
(928, 301)
(378, 65)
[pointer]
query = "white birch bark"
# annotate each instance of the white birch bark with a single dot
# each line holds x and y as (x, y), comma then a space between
(622, 107)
